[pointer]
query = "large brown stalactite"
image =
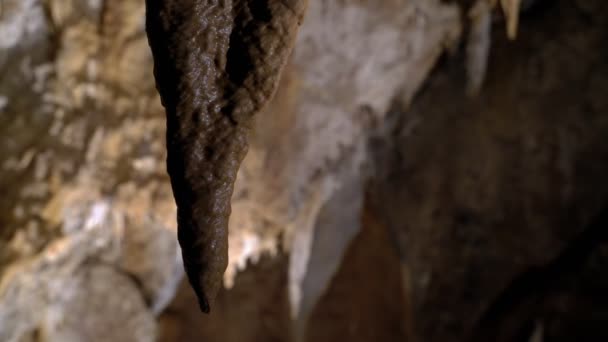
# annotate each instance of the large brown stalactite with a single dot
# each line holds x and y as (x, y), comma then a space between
(216, 64)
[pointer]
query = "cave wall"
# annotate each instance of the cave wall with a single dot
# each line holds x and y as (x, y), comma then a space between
(379, 200)
(479, 219)
(492, 198)
(87, 247)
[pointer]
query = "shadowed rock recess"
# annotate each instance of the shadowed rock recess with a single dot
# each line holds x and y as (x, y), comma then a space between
(389, 170)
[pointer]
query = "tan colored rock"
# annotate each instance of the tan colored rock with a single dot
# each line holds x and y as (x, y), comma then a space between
(87, 245)
(82, 130)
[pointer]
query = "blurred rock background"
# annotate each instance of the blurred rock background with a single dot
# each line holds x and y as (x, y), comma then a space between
(418, 177)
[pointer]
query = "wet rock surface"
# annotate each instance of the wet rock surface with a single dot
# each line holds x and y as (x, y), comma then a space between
(216, 66)
(378, 200)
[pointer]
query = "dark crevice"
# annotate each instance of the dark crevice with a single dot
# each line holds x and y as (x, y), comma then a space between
(529, 287)
(532, 10)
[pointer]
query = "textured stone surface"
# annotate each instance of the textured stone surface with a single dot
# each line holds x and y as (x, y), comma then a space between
(87, 247)
(216, 64)
(83, 135)
(478, 195)
(71, 291)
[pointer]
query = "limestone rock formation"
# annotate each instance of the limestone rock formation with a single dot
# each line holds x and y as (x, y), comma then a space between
(379, 200)
(88, 246)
